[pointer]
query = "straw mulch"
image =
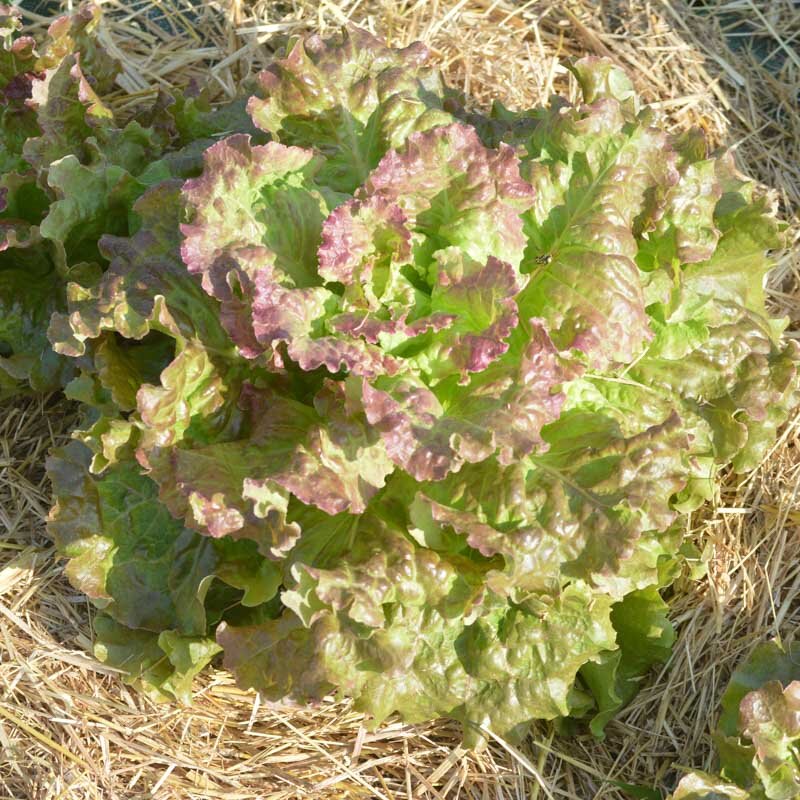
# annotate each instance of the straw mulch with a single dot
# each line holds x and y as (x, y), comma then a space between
(70, 729)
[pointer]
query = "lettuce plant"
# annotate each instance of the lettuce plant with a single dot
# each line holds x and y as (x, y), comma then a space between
(69, 174)
(758, 736)
(387, 397)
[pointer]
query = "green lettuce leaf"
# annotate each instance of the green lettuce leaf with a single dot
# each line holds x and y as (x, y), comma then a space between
(716, 357)
(30, 291)
(644, 637)
(146, 288)
(593, 169)
(134, 560)
(352, 100)
(701, 786)
(18, 71)
(161, 665)
(68, 112)
(454, 191)
(318, 454)
(502, 671)
(568, 513)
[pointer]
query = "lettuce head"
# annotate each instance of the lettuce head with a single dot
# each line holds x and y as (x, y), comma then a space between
(383, 396)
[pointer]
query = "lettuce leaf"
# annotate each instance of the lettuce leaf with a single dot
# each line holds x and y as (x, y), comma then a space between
(352, 100)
